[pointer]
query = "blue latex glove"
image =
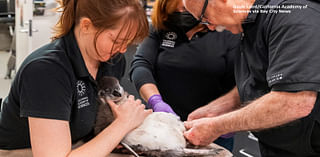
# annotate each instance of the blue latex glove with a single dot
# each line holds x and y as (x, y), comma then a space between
(158, 105)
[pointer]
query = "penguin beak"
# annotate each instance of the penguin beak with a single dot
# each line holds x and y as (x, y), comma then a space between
(116, 93)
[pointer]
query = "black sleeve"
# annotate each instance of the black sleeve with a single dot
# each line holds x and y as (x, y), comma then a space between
(143, 64)
(45, 91)
(294, 44)
(233, 47)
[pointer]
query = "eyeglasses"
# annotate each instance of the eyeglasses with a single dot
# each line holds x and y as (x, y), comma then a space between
(201, 18)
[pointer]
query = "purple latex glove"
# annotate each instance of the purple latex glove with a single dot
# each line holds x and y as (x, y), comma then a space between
(158, 105)
(229, 135)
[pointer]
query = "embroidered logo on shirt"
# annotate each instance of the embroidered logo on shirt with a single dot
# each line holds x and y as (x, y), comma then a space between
(171, 36)
(275, 77)
(81, 88)
(83, 100)
(169, 39)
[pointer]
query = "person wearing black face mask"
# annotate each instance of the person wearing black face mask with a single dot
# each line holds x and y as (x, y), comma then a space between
(181, 20)
(182, 66)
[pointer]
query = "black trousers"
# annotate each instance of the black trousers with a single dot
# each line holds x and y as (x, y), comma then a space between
(300, 138)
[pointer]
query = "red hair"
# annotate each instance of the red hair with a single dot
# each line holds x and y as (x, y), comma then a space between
(104, 14)
(161, 10)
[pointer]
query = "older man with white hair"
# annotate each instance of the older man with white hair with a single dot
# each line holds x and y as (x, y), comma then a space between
(277, 74)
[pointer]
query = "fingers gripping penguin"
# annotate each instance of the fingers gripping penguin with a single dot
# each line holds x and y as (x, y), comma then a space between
(109, 88)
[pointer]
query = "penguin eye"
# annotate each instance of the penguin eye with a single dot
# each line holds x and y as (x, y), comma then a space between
(101, 93)
(108, 90)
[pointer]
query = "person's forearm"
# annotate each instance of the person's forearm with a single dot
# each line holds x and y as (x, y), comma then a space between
(219, 106)
(103, 143)
(271, 110)
(228, 102)
(147, 90)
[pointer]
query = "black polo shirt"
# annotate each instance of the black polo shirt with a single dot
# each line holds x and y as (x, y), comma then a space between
(188, 74)
(53, 82)
(281, 52)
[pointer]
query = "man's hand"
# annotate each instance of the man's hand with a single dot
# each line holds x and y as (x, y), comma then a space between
(271, 110)
(221, 105)
(201, 131)
(209, 110)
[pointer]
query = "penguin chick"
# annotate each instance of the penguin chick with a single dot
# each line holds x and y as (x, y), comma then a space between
(109, 88)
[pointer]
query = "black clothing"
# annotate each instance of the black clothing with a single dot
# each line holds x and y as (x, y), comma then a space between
(53, 82)
(280, 52)
(188, 74)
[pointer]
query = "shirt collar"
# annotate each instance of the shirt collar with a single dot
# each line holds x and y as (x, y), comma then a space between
(252, 16)
(75, 56)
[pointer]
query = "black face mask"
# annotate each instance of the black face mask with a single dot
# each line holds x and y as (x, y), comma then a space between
(182, 20)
